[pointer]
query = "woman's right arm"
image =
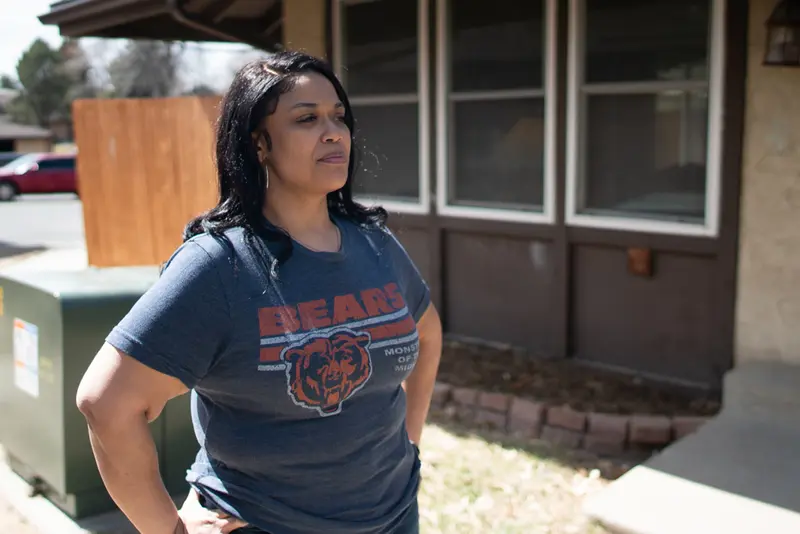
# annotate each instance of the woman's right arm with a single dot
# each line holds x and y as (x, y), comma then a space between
(164, 346)
(119, 397)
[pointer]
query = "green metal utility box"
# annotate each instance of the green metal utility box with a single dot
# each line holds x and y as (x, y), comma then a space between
(51, 326)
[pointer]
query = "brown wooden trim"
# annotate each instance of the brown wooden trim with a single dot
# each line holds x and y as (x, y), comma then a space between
(437, 285)
(498, 228)
(736, 37)
(474, 226)
(88, 17)
(662, 242)
(81, 9)
(410, 220)
(266, 24)
(328, 30)
(177, 8)
(437, 235)
(217, 9)
(104, 18)
(562, 295)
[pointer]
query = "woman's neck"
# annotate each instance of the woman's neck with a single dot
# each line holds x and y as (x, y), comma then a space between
(306, 220)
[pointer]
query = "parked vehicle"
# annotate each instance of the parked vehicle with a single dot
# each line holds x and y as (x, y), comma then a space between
(38, 173)
(8, 157)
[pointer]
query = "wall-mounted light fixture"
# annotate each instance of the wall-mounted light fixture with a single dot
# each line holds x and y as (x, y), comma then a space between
(783, 35)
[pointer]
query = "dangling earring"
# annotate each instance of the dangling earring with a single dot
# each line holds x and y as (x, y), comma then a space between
(266, 174)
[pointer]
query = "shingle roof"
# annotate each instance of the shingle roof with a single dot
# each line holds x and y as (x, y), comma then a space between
(9, 130)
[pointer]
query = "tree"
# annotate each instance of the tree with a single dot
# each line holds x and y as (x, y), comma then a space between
(7, 82)
(45, 85)
(146, 69)
(77, 67)
(201, 90)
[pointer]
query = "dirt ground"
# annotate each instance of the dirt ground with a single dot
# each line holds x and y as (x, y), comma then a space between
(565, 382)
(479, 483)
(486, 483)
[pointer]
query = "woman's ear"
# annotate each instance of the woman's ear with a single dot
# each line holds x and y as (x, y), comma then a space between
(260, 140)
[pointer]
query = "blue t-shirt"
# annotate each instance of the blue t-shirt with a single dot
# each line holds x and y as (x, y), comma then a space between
(297, 401)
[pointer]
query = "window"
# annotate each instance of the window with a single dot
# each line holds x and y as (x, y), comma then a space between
(495, 109)
(21, 163)
(380, 55)
(57, 164)
(644, 115)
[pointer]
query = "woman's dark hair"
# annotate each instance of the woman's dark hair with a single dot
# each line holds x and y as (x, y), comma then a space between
(253, 95)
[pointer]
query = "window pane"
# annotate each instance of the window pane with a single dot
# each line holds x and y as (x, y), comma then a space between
(499, 154)
(646, 156)
(496, 47)
(389, 151)
(56, 164)
(631, 40)
(380, 47)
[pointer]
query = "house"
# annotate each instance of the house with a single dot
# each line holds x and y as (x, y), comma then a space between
(615, 181)
(612, 181)
(20, 138)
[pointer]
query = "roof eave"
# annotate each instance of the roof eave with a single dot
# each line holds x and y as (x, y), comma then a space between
(82, 18)
(108, 18)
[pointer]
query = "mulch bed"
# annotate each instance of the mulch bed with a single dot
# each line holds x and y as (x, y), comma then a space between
(567, 383)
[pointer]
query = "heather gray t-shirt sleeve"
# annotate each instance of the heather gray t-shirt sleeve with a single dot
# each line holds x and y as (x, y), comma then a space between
(414, 288)
(181, 324)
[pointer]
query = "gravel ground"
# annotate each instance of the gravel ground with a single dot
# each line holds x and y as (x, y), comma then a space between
(565, 382)
(474, 484)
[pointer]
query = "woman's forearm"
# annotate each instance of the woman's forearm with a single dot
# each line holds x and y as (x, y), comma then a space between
(128, 463)
(420, 383)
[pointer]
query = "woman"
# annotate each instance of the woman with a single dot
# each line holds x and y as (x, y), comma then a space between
(299, 324)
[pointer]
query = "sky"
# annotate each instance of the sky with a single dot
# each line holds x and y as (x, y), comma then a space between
(211, 63)
(19, 27)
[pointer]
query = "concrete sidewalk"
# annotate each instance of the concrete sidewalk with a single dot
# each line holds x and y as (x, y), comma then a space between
(62, 259)
(738, 474)
(22, 514)
(13, 523)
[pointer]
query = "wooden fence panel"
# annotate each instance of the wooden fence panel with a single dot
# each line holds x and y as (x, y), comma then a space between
(145, 167)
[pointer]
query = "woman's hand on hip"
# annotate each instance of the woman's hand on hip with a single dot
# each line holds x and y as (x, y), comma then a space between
(195, 519)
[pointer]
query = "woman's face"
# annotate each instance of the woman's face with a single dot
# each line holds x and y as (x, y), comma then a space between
(310, 141)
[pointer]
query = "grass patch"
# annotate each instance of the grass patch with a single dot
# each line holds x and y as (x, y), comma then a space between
(471, 484)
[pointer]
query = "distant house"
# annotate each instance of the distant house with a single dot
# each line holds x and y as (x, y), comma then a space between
(20, 137)
(23, 138)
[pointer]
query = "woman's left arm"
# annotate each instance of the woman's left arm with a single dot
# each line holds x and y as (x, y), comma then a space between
(420, 383)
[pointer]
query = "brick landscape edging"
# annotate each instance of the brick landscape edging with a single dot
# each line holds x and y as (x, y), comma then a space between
(600, 433)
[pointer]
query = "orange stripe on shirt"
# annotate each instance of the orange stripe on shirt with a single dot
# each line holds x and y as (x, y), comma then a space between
(271, 354)
(399, 328)
(384, 331)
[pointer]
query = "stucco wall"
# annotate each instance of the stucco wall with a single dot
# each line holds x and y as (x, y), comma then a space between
(768, 300)
(304, 26)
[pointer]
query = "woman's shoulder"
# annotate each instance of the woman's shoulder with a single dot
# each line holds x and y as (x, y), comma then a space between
(207, 251)
(377, 235)
(381, 241)
(218, 245)
(369, 228)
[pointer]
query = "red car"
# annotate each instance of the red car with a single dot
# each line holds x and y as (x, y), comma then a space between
(38, 173)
